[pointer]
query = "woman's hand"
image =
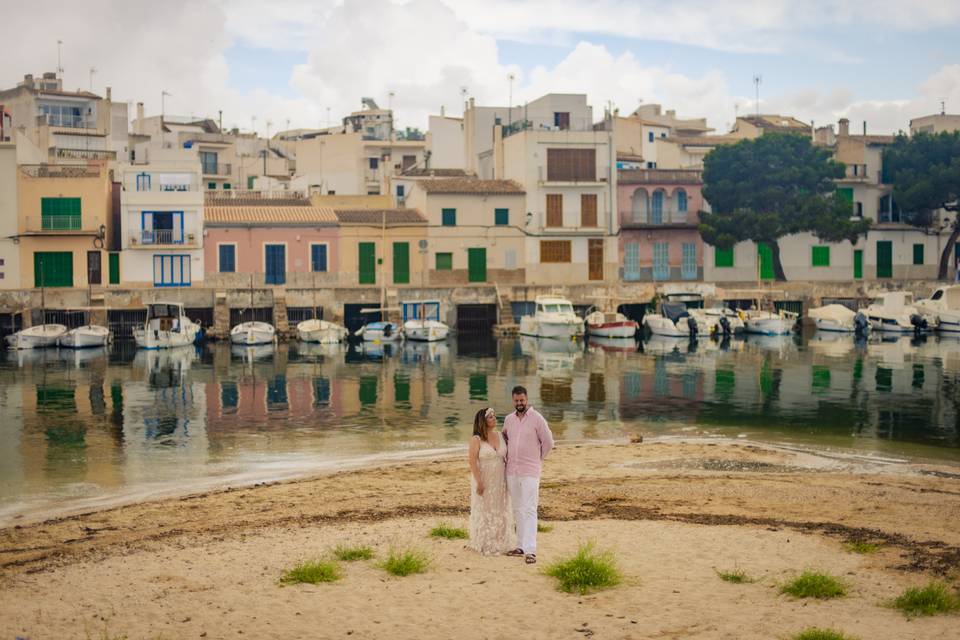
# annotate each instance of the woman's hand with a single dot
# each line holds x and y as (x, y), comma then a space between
(480, 488)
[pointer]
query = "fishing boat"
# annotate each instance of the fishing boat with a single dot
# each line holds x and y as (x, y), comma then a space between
(421, 321)
(253, 333)
(611, 325)
(321, 331)
(166, 326)
(89, 335)
(36, 337)
(553, 317)
(380, 332)
(767, 323)
(717, 321)
(673, 321)
(838, 318)
(942, 309)
(894, 312)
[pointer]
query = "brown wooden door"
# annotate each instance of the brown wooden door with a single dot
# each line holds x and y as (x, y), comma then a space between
(554, 209)
(94, 270)
(595, 258)
(588, 210)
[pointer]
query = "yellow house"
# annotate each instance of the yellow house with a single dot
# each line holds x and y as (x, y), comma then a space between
(63, 219)
(381, 247)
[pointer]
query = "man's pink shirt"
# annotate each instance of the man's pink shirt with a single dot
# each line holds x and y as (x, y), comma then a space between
(529, 440)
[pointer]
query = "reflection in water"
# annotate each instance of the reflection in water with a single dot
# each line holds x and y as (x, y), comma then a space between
(126, 418)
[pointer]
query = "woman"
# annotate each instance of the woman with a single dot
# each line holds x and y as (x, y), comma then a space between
(491, 522)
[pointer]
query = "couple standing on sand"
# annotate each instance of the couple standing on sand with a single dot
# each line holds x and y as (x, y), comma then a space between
(505, 472)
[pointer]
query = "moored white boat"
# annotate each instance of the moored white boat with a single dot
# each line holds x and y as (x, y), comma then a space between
(611, 325)
(720, 321)
(36, 337)
(381, 332)
(321, 331)
(768, 323)
(166, 326)
(838, 318)
(421, 321)
(252, 333)
(90, 335)
(942, 309)
(894, 312)
(673, 321)
(553, 317)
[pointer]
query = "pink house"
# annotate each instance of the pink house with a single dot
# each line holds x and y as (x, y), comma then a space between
(282, 241)
(659, 240)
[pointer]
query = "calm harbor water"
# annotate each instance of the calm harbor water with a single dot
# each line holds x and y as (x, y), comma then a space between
(92, 427)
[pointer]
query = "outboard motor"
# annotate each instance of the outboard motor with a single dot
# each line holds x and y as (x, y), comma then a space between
(861, 326)
(387, 330)
(692, 326)
(919, 323)
(725, 326)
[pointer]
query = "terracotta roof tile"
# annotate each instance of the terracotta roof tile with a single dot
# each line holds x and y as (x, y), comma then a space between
(261, 215)
(420, 172)
(472, 186)
(375, 216)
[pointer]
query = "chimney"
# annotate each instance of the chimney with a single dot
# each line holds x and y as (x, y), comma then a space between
(844, 127)
(109, 94)
(139, 111)
(442, 111)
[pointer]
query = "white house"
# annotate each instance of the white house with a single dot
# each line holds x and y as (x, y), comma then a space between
(161, 221)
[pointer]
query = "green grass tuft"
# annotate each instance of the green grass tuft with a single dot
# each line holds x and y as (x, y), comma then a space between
(812, 584)
(312, 572)
(544, 528)
(403, 562)
(736, 576)
(863, 547)
(933, 599)
(347, 553)
(586, 571)
(444, 530)
(815, 633)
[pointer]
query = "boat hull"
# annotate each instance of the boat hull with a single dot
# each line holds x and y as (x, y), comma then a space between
(38, 337)
(425, 331)
(658, 325)
(769, 326)
(165, 339)
(85, 337)
(321, 332)
(837, 326)
(541, 329)
(624, 329)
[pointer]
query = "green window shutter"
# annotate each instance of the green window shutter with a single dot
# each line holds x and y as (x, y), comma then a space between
(250, 180)
(477, 265)
(212, 186)
(722, 257)
(846, 193)
(501, 217)
(858, 263)
(821, 256)
(114, 265)
(60, 214)
(53, 269)
(401, 262)
(884, 259)
(444, 261)
(918, 254)
(765, 256)
(367, 263)
(449, 217)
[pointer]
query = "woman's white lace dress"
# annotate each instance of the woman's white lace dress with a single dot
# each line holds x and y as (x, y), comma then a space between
(491, 521)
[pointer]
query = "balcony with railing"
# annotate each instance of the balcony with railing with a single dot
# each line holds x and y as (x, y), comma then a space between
(216, 169)
(60, 171)
(84, 154)
(59, 225)
(660, 176)
(155, 238)
(653, 219)
(545, 176)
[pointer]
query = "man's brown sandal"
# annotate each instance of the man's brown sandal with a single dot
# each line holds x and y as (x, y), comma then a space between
(530, 558)
(515, 552)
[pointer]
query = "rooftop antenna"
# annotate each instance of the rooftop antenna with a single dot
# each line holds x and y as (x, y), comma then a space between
(59, 64)
(463, 97)
(757, 79)
(390, 100)
(288, 124)
(510, 78)
(163, 103)
(943, 106)
(253, 125)
(93, 70)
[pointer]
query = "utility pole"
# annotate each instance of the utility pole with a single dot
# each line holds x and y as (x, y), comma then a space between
(93, 70)
(59, 59)
(163, 103)
(757, 79)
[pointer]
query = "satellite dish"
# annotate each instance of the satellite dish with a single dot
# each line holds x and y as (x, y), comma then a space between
(423, 245)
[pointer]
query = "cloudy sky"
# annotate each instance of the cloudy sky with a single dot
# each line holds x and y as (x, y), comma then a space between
(883, 61)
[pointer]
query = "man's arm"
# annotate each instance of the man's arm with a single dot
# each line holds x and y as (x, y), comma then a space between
(546, 437)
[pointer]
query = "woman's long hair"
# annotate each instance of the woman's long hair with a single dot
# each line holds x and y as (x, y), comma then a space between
(480, 424)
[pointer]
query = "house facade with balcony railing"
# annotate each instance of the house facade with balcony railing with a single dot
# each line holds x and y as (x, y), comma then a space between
(162, 218)
(63, 220)
(659, 239)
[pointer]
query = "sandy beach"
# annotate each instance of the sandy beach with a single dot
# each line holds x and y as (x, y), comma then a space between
(673, 512)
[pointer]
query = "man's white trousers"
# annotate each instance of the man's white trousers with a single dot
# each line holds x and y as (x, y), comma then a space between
(524, 496)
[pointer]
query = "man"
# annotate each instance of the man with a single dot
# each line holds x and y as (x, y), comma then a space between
(529, 440)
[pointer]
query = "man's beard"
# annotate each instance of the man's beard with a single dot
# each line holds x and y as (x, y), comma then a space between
(521, 409)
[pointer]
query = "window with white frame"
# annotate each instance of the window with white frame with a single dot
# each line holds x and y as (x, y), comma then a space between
(688, 267)
(631, 261)
(661, 261)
